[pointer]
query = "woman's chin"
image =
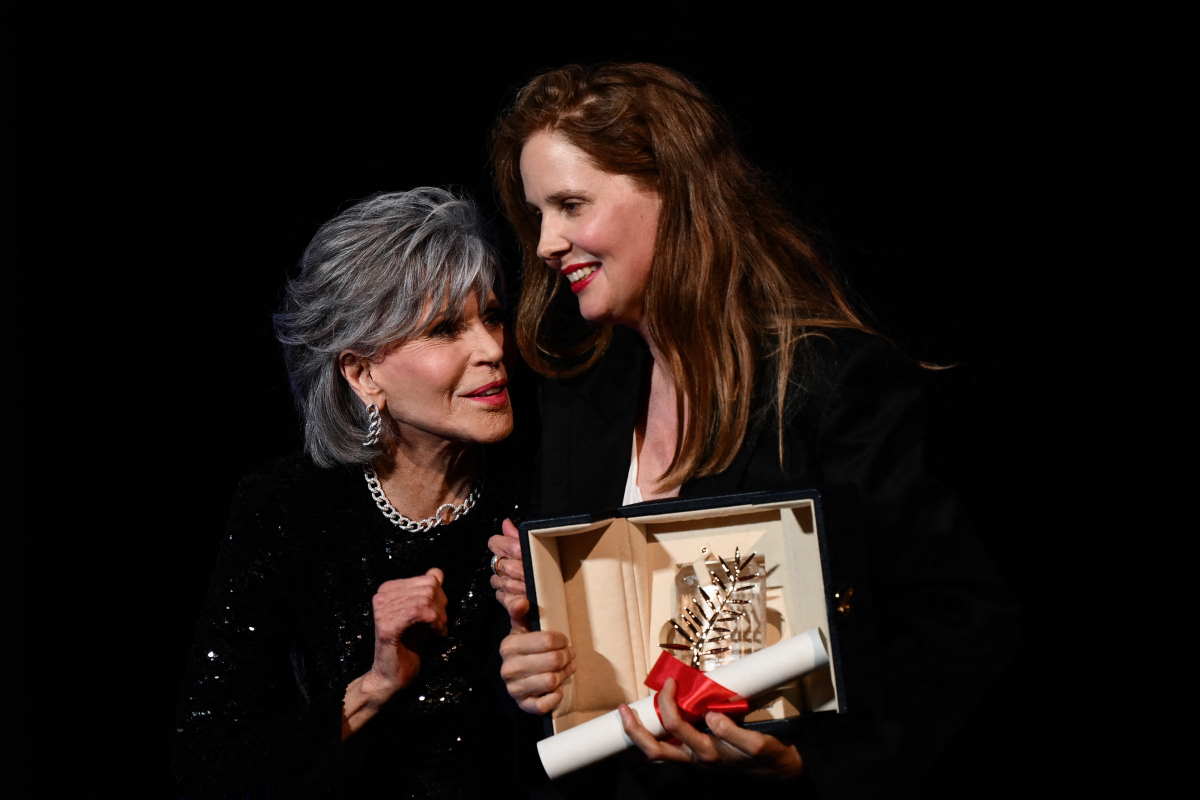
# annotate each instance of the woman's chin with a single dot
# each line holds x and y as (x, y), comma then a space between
(595, 313)
(591, 306)
(496, 431)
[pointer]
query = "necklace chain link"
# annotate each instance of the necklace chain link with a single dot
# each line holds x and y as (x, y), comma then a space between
(445, 514)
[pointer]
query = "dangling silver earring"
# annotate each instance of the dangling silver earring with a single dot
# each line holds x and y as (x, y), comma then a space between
(374, 424)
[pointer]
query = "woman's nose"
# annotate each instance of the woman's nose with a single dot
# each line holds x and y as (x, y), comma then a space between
(551, 243)
(489, 344)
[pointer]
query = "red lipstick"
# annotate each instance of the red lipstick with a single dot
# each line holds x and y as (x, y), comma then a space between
(491, 394)
(579, 285)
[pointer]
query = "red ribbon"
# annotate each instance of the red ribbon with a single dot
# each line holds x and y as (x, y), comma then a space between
(695, 692)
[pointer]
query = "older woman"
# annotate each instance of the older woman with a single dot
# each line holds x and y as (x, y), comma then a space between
(347, 643)
(723, 357)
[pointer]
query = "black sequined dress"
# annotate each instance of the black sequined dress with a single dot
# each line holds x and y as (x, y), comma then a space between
(288, 625)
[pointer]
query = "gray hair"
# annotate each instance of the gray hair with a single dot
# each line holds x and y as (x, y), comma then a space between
(373, 275)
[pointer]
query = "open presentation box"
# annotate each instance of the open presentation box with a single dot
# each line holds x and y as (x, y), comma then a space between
(609, 583)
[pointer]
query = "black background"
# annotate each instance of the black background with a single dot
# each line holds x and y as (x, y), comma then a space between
(176, 165)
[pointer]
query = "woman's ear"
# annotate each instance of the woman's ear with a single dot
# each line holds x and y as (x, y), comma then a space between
(356, 370)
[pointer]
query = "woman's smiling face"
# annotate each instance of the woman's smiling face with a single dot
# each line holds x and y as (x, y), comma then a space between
(597, 229)
(450, 382)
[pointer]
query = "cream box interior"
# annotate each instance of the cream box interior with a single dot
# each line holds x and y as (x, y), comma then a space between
(609, 585)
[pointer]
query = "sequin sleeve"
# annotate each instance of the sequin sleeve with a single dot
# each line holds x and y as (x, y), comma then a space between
(247, 724)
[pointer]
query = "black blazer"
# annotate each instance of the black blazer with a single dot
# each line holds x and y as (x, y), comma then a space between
(930, 623)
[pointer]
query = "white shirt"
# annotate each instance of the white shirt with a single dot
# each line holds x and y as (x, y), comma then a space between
(632, 493)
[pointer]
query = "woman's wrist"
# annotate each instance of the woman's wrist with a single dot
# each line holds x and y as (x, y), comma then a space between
(365, 695)
(378, 688)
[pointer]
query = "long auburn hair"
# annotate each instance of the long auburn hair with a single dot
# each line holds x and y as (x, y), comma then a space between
(733, 282)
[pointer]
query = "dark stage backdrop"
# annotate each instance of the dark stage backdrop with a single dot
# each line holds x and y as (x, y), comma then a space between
(193, 164)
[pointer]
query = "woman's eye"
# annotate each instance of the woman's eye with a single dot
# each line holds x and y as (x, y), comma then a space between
(446, 329)
(494, 316)
(572, 207)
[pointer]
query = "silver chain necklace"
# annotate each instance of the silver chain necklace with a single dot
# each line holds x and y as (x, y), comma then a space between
(445, 514)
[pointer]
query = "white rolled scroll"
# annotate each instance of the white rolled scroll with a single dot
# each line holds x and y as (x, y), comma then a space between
(747, 676)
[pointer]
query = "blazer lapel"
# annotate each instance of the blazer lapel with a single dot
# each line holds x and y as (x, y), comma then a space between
(595, 414)
(735, 478)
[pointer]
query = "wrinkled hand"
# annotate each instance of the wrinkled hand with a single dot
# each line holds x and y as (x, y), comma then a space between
(728, 743)
(402, 608)
(509, 583)
(535, 665)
